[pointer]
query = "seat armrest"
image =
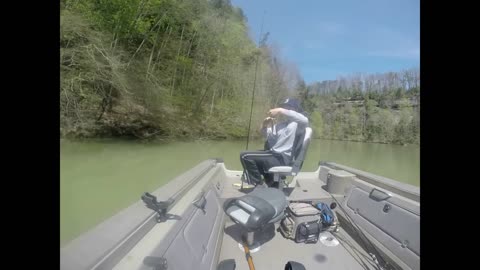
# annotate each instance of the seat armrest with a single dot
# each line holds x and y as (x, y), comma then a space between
(280, 169)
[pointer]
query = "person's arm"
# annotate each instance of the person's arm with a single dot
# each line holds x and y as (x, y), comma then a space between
(291, 115)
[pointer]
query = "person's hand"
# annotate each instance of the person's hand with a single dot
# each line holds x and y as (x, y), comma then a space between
(267, 122)
(275, 112)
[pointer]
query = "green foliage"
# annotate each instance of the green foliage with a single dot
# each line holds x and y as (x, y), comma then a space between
(387, 116)
(148, 68)
(316, 122)
(169, 68)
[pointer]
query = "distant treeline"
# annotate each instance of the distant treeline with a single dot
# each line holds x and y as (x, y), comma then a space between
(375, 108)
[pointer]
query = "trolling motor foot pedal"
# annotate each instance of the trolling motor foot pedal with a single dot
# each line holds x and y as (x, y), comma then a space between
(159, 207)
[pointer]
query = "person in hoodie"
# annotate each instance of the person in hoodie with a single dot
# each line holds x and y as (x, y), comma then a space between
(281, 128)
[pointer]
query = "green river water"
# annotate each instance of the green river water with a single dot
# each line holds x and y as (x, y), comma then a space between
(99, 178)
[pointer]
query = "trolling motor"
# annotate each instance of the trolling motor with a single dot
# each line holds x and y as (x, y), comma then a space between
(159, 207)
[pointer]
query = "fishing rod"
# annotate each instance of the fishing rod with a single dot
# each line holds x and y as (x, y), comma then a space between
(254, 82)
(251, 266)
(383, 264)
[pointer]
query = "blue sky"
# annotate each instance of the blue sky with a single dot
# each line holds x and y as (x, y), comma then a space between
(326, 39)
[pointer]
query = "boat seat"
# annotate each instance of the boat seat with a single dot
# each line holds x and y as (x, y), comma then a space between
(254, 211)
(280, 171)
(260, 207)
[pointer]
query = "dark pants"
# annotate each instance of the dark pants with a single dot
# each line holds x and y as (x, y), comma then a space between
(257, 163)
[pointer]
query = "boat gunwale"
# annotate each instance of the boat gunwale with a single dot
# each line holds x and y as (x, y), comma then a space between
(113, 253)
(404, 189)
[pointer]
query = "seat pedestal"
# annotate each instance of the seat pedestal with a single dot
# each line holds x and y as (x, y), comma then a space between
(248, 238)
(256, 214)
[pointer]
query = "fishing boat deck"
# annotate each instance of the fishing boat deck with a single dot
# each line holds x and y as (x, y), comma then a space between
(199, 235)
(306, 187)
(276, 250)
